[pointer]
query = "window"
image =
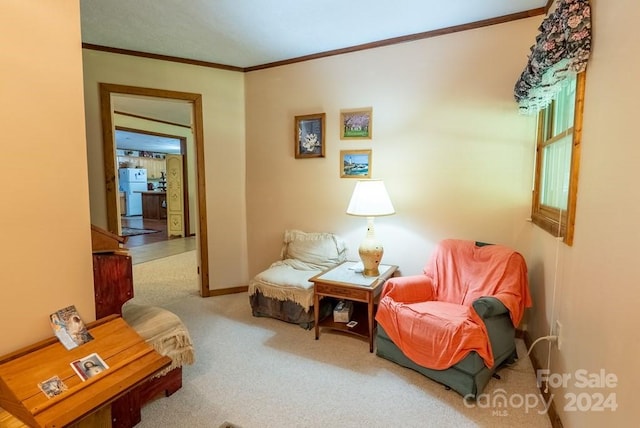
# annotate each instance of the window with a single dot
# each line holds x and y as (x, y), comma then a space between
(558, 161)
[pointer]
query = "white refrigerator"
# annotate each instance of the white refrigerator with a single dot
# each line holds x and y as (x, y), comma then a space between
(132, 181)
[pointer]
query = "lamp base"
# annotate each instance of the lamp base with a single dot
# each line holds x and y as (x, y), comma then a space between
(371, 272)
(371, 259)
(371, 252)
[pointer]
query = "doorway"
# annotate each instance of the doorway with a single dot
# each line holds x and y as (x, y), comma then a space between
(162, 199)
(107, 94)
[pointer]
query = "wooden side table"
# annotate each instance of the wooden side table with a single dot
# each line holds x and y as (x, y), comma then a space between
(343, 282)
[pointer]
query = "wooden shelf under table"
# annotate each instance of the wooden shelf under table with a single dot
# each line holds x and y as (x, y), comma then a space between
(359, 315)
(344, 282)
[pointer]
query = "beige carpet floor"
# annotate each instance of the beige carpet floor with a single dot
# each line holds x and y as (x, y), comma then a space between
(260, 372)
(162, 281)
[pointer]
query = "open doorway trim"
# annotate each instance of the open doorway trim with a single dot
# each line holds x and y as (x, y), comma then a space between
(109, 153)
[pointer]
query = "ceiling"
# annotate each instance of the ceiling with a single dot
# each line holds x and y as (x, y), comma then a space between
(129, 140)
(252, 33)
(248, 33)
(165, 110)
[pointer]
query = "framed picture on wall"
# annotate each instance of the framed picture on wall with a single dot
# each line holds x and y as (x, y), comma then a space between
(309, 137)
(356, 124)
(355, 163)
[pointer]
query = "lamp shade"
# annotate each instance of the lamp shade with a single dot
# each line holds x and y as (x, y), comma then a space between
(370, 199)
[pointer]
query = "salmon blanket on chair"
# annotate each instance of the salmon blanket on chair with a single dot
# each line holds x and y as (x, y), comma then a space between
(430, 317)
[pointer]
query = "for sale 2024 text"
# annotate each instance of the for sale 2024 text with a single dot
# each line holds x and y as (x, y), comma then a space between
(596, 395)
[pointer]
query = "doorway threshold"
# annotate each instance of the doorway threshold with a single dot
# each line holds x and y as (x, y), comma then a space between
(159, 250)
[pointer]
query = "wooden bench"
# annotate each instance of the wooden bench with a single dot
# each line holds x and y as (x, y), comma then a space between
(131, 363)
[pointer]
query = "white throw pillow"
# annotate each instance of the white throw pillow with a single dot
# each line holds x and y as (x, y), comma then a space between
(321, 249)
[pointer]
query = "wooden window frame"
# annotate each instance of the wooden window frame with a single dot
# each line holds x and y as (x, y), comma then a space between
(558, 222)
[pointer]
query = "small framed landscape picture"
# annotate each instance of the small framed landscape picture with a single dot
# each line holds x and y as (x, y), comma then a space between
(355, 163)
(309, 136)
(356, 124)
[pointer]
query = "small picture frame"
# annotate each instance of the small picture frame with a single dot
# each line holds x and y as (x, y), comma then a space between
(89, 366)
(52, 386)
(309, 136)
(355, 163)
(356, 124)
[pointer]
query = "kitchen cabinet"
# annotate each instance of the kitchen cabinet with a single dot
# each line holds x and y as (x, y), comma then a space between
(154, 205)
(154, 166)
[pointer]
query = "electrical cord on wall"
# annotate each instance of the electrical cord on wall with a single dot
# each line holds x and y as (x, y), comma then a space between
(551, 338)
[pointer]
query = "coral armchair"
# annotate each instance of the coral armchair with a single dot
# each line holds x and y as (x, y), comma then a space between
(456, 322)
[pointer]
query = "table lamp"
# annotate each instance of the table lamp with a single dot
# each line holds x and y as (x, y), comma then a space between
(370, 199)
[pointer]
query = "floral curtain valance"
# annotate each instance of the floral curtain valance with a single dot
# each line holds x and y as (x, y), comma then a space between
(562, 48)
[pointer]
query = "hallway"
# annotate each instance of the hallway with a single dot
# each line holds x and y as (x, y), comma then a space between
(151, 246)
(138, 222)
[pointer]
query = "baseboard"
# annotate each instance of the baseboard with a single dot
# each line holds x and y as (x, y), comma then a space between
(556, 422)
(231, 290)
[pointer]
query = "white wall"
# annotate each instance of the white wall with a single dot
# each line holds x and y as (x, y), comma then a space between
(224, 149)
(46, 241)
(597, 290)
(447, 139)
